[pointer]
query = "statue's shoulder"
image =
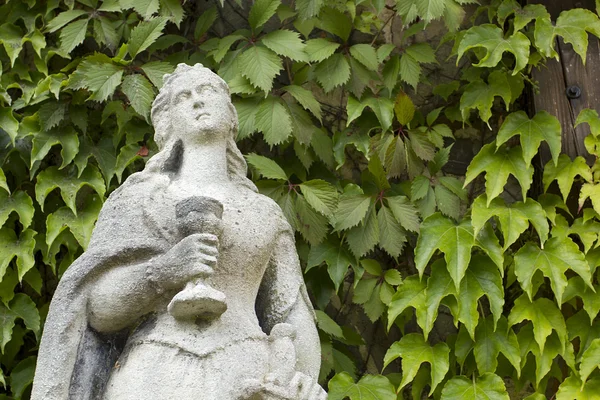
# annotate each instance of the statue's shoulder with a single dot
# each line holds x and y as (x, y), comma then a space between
(271, 209)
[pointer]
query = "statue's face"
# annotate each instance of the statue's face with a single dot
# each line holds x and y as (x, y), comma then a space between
(200, 108)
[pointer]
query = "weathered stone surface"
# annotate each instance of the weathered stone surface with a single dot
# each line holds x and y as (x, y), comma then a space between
(191, 286)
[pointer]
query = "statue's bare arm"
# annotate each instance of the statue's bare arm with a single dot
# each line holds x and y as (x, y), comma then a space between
(284, 300)
(124, 293)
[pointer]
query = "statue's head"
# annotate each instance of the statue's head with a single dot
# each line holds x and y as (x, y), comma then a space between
(194, 103)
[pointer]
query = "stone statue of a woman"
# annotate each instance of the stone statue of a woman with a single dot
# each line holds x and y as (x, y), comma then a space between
(191, 286)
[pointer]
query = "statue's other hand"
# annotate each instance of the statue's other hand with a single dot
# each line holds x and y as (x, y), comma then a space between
(193, 257)
(300, 387)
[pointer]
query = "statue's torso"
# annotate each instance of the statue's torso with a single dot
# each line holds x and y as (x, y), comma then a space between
(234, 341)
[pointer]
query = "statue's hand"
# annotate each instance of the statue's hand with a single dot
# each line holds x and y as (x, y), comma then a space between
(300, 387)
(193, 257)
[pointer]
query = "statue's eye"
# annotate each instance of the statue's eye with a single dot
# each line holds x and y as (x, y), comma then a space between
(183, 95)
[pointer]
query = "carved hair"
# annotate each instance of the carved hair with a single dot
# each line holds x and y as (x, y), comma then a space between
(236, 164)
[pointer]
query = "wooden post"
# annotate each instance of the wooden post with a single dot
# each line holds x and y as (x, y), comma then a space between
(555, 77)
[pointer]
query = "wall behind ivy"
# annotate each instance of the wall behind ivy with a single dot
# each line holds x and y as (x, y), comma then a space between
(394, 136)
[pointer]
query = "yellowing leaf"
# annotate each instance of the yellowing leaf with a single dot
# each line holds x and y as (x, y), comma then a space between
(404, 108)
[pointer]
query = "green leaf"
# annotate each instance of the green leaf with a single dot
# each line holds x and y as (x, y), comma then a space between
(140, 93)
(557, 256)
(336, 256)
(21, 247)
(306, 99)
(18, 202)
(500, 80)
(454, 240)
(404, 108)
(410, 70)
(351, 210)
(414, 351)
(43, 142)
(266, 167)
(261, 66)
(332, 72)
(9, 123)
(336, 22)
(591, 191)
(590, 360)
(498, 164)
(591, 299)
(366, 55)
(286, 43)
(273, 120)
(103, 152)
(369, 387)
(485, 387)
(545, 317)
(127, 155)
(532, 132)
(105, 33)
(328, 325)
(564, 172)
(73, 35)
(572, 388)
(308, 8)
(573, 26)
(412, 293)
(146, 8)
(321, 196)
(262, 11)
(479, 95)
(312, 225)
(63, 18)
(383, 109)
(320, 49)
(144, 34)
(439, 285)
(173, 10)
(421, 52)
(69, 184)
(99, 75)
(23, 307)
(491, 339)
(3, 183)
(590, 117)
(155, 71)
(80, 225)
(363, 238)
(405, 212)
(11, 37)
(447, 202)
(392, 236)
(481, 278)
(491, 38)
(22, 376)
(205, 21)
(514, 218)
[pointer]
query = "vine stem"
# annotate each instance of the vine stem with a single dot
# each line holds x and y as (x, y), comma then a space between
(383, 26)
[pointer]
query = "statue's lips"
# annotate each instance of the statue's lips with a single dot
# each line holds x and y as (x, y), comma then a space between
(202, 115)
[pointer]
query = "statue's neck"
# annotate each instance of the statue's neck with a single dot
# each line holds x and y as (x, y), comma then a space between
(204, 164)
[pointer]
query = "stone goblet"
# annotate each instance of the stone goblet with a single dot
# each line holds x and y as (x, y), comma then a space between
(198, 214)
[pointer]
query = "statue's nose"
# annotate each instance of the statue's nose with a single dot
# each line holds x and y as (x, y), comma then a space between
(198, 104)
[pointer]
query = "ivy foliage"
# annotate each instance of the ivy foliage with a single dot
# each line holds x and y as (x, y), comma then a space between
(426, 282)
